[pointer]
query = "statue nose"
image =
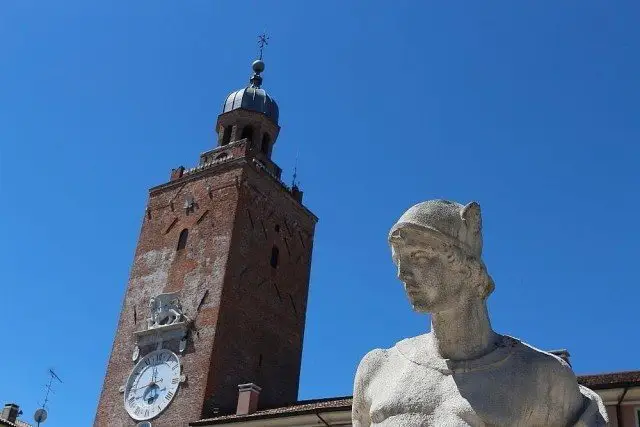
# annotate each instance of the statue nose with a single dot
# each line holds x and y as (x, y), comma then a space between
(403, 273)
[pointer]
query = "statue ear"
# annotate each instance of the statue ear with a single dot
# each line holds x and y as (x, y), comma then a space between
(467, 271)
(472, 218)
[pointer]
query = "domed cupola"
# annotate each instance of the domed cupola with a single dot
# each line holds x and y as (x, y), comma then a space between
(250, 114)
(253, 97)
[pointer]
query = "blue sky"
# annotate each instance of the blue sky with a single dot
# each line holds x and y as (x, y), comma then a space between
(530, 108)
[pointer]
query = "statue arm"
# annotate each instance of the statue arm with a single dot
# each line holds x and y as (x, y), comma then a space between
(594, 413)
(360, 408)
(361, 403)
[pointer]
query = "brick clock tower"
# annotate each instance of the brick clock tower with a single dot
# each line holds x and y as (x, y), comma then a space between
(218, 290)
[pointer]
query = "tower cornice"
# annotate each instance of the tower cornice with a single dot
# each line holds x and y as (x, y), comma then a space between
(225, 166)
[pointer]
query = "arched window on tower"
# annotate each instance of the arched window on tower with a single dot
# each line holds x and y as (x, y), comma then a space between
(247, 133)
(182, 240)
(274, 256)
(266, 141)
(226, 135)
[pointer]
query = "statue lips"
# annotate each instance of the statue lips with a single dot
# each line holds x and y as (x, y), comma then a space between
(411, 288)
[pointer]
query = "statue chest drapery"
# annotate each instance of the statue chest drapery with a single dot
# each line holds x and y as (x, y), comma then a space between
(407, 394)
(505, 388)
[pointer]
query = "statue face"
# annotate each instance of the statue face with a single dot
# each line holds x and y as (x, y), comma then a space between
(429, 279)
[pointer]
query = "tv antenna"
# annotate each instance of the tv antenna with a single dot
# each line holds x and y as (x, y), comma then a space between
(41, 413)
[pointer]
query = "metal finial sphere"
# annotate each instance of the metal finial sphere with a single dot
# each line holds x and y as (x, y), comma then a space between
(258, 66)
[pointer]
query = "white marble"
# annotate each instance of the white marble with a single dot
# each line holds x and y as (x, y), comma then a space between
(461, 373)
(164, 309)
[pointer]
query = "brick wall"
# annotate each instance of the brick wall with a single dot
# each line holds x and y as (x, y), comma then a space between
(263, 308)
(245, 325)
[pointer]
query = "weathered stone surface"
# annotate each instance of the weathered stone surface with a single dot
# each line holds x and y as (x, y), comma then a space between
(462, 373)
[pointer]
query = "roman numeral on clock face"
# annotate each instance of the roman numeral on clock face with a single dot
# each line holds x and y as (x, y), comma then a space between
(175, 380)
(169, 395)
(131, 400)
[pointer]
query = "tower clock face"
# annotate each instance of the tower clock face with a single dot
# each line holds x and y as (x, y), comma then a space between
(152, 384)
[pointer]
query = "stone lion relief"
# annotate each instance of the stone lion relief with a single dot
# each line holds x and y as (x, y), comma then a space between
(164, 309)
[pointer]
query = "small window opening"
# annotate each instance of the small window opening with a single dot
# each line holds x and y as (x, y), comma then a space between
(226, 135)
(260, 361)
(274, 256)
(182, 240)
(247, 133)
(266, 141)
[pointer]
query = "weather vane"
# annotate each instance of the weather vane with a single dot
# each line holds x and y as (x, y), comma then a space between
(263, 40)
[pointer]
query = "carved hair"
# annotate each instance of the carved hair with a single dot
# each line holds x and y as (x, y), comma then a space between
(474, 268)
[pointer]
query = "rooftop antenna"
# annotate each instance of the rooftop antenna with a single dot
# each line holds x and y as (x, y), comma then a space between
(295, 170)
(263, 40)
(41, 413)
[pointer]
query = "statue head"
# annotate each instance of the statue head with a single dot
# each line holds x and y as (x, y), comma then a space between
(437, 248)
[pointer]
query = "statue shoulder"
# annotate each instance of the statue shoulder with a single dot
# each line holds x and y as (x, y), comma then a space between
(570, 402)
(373, 367)
(366, 372)
(547, 364)
(371, 362)
(386, 359)
(554, 386)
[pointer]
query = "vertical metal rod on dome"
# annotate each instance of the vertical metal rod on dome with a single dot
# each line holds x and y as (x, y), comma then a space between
(263, 40)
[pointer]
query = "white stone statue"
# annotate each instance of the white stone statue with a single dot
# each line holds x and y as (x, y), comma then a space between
(462, 373)
(164, 309)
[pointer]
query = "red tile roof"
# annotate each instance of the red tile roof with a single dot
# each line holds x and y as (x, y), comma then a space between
(610, 380)
(595, 382)
(299, 408)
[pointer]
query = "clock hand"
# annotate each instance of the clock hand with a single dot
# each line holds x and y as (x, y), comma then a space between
(146, 385)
